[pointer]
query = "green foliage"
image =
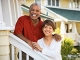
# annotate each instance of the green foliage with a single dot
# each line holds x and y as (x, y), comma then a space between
(74, 51)
(66, 48)
(57, 31)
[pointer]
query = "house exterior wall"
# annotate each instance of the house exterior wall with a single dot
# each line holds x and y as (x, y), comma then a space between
(64, 3)
(29, 2)
(78, 27)
(4, 45)
(58, 25)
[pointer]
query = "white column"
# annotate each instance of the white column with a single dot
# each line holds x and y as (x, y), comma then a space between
(6, 11)
(1, 16)
(19, 11)
(62, 28)
(74, 30)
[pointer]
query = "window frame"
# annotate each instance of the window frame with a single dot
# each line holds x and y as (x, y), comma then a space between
(56, 3)
(75, 4)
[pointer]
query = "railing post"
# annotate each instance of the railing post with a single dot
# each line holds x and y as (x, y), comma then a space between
(4, 43)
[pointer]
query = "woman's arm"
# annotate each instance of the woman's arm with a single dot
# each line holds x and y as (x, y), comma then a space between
(53, 50)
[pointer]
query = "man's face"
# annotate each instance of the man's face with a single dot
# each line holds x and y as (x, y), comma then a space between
(35, 11)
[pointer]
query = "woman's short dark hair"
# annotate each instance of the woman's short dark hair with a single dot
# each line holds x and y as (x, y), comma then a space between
(50, 23)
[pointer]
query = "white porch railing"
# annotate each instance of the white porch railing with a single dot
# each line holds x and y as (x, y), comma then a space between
(79, 40)
(74, 36)
(23, 46)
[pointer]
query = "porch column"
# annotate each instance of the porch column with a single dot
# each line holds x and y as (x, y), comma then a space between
(74, 30)
(1, 16)
(62, 28)
(4, 43)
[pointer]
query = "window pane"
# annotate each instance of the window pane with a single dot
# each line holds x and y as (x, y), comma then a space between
(53, 2)
(74, 4)
(49, 2)
(57, 2)
(79, 3)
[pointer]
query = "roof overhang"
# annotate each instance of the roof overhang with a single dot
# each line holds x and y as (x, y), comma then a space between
(66, 14)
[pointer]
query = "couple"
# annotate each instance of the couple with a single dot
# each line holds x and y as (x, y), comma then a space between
(38, 34)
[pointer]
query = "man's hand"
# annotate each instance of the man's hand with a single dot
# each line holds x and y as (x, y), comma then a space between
(25, 39)
(57, 37)
(30, 44)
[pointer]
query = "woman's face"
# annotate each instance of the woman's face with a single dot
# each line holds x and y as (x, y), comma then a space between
(35, 11)
(47, 30)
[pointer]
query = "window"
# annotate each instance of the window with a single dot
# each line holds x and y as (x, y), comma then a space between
(66, 26)
(75, 4)
(38, 2)
(57, 2)
(53, 3)
(49, 2)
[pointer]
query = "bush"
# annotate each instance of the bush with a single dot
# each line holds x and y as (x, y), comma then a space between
(68, 51)
(57, 31)
(66, 48)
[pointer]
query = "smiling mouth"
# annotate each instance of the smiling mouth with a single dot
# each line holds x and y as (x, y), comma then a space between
(34, 15)
(47, 32)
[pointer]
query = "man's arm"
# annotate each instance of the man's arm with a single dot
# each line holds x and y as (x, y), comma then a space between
(24, 39)
(57, 37)
(19, 30)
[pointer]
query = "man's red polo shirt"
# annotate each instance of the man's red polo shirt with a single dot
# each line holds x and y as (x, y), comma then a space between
(25, 26)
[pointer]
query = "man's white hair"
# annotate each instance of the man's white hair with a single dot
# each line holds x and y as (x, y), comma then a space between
(35, 4)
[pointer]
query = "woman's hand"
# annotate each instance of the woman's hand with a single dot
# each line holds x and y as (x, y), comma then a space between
(36, 46)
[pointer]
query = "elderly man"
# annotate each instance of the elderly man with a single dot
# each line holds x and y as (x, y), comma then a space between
(28, 28)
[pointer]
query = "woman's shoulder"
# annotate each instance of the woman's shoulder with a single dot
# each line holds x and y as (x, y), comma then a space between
(40, 40)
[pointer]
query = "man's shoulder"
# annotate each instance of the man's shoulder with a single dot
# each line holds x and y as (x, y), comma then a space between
(24, 16)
